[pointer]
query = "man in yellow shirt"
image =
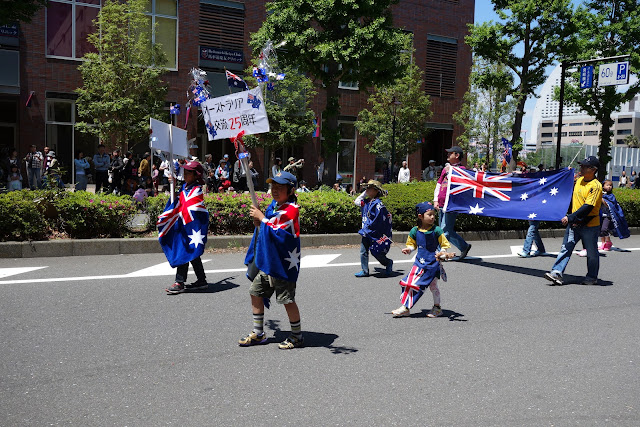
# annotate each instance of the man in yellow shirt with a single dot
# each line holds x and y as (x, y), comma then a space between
(583, 223)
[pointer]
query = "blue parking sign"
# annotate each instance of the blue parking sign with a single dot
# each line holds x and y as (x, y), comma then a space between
(586, 77)
(622, 71)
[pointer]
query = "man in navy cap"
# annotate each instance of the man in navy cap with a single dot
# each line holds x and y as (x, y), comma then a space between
(448, 219)
(583, 223)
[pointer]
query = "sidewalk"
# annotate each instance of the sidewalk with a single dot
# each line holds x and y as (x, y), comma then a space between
(79, 247)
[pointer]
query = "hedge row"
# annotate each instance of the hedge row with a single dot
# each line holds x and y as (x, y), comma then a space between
(40, 215)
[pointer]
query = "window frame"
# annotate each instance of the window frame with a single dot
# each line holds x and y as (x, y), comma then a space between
(153, 16)
(73, 4)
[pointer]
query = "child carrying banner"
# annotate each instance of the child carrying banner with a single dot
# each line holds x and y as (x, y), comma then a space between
(182, 230)
(611, 217)
(273, 260)
(426, 269)
(376, 228)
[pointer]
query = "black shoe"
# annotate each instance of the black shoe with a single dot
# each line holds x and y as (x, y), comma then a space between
(177, 288)
(464, 253)
(198, 285)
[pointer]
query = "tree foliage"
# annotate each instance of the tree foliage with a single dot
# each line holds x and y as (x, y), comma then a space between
(605, 29)
(487, 113)
(122, 84)
(334, 41)
(12, 11)
(412, 113)
(290, 117)
(531, 36)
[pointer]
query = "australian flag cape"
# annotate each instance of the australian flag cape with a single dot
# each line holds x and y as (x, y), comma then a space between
(620, 227)
(182, 227)
(376, 225)
(543, 196)
(275, 246)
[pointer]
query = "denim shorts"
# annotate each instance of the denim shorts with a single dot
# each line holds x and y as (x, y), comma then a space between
(264, 286)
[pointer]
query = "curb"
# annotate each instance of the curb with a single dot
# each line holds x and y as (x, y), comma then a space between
(80, 247)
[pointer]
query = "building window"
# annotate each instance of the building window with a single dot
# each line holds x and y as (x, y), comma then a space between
(546, 135)
(348, 85)
(624, 132)
(547, 142)
(69, 22)
(164, 18)
(561, 134)
(575, 133)
(620, 141)
(575, 124)
(440, 79)
(547, 125)
(625, 120)
(590, 132)
(222, 26)
(347, 150)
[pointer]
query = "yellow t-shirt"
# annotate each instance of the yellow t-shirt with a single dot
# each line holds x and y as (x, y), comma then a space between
(591, 194)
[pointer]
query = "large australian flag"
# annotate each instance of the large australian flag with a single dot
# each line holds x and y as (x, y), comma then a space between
(541, 196)
(275, 247)
(182, 227)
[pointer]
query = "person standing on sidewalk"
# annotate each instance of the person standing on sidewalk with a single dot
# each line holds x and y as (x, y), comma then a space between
(34, 161)
(583, 223)
(101, 162)
(448, 219)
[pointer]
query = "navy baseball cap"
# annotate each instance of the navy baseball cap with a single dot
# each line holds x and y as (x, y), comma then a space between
(286, 178)
(590, 161)
(424, 207)
(454, 149)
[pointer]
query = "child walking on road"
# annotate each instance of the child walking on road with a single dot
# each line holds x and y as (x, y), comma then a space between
(611, 218)
(376, 228)
(426, 270)
(273, 260)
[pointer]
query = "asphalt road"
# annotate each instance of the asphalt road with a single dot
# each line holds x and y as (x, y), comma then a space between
(95, 341)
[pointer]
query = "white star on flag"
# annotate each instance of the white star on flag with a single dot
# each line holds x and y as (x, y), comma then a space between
(554, 191)
(543, 180)
(196, 238)
(532, 215)
(476, 209)
(524, 196)
(544, 201)
(294, 259)
(422, 260)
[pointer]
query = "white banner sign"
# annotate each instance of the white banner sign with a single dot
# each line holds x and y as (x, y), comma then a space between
(227, 116)
(160, 138)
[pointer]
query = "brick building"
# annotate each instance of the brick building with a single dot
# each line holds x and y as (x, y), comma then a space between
(40, 59)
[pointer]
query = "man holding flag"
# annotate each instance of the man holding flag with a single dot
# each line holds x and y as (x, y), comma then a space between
(182, 230)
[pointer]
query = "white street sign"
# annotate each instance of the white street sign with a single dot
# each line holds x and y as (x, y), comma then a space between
(616, 73)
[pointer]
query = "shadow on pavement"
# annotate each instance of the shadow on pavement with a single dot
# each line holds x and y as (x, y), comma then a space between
(535, 272)
(311, 339)
(223, 285)
(446, 314)
(381, 273)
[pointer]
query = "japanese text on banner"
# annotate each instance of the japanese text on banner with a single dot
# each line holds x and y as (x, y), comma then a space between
(226, 116)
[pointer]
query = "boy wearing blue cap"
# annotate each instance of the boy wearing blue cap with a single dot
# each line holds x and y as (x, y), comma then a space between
(376, 228)
(273, 260)
(426, 269)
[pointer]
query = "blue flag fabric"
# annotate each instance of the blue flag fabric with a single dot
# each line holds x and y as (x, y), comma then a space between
(275, 246)
(236, 81)
(507, 150)
(620, 226)
(182, 227)
(542, 196)
(376, 225)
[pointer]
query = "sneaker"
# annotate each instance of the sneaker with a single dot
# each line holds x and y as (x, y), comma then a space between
(389, 268)
(582, 253)
(537, 253)
(554, 277)
(401, 312)
(523, 254)
(361, 273)
(177, 288)
(436, 311)
(589, 281)
(197, 285)
(607, 246)
(253, 339)
(464, 253)
(291, 342)
(600, 245)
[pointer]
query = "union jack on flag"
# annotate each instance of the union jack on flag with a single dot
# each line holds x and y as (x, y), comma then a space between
(183, 226)
(411, 291)
(479, 183)
(285, 219)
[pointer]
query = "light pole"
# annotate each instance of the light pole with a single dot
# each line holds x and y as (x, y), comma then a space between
(394, 107)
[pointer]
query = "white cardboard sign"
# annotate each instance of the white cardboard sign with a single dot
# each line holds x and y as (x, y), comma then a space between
(160, 138)
(227, 116)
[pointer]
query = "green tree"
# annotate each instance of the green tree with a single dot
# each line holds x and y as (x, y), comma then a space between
(531, 36)
(290, 117)
(487, 113)
(122, 84)
(632, 141)
(606, 29)
(335, 41)
(412, 110)
(19, 10)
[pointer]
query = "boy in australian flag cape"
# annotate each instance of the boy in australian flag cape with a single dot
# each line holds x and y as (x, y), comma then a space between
(273, 260)
(182, 230)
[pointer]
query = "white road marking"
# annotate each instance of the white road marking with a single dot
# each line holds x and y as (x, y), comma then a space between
(311, 261)
(162, 270)
(6, 272)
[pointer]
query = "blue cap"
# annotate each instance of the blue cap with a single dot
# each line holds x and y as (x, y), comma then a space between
(423, 207)
(286, 178)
